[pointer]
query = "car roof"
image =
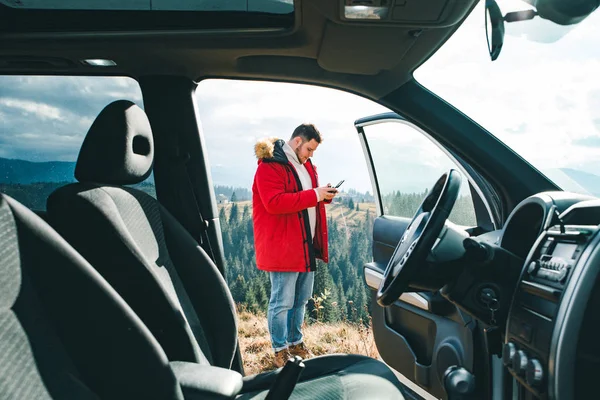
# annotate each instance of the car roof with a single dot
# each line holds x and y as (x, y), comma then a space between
(314, 44)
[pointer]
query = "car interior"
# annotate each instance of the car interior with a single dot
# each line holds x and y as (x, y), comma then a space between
(111, 293)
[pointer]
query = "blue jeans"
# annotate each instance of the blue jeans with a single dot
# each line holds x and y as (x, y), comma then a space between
(290, 292)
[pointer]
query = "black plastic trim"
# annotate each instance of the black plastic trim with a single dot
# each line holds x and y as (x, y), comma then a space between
(13, 20)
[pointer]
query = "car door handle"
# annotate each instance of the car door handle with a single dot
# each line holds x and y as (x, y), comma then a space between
(373, 279)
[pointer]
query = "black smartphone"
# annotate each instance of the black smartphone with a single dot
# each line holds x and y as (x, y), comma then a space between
(339, 184)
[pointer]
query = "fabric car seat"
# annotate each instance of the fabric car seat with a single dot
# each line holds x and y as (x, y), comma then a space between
(64, 332)
(162, 272)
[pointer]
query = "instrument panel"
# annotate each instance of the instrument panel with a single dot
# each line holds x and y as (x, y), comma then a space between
(542, 347)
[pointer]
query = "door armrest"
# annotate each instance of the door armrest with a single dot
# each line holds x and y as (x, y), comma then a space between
(427, 301)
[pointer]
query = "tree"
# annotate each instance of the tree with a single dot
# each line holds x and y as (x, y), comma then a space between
(351, 204)
(223, 219)
(325, 296)
(233, 215)
(262, 300)
(238, 290)
(339, 284)
(233, 197)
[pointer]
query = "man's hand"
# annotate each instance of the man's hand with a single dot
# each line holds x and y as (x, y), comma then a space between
(326, 192)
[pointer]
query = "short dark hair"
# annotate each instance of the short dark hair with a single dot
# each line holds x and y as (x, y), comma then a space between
(307, 132)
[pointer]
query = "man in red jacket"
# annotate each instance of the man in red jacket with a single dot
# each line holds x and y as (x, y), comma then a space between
(290, 232)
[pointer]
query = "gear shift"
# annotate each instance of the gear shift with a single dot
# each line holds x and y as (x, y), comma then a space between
(459, 383)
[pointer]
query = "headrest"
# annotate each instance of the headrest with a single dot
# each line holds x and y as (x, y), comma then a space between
(118, 149)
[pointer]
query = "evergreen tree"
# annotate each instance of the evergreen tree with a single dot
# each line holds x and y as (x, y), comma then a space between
(233, 215)
(251, 302)
(347, 297)
(233, 197)
(260, 295)
(238, 290)
(326, 290)
(342, 301)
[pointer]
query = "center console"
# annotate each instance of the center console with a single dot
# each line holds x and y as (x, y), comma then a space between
(537, 298)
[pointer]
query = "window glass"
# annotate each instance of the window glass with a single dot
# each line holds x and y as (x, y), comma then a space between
(407, 164)
(44, 122)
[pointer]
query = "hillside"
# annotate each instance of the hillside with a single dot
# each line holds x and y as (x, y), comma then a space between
(339, 211)
(16, 171)
(25, 172)
(322, 338)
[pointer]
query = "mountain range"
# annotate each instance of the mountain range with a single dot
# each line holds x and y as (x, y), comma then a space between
(26, 172)
(15, 171)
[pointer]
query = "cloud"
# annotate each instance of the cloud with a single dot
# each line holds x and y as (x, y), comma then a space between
(39, 110)
(46, 118)
(591, 141)
(542, 100)
(235, 114)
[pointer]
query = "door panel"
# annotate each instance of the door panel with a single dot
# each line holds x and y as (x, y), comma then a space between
(421, 334)
(389, 231)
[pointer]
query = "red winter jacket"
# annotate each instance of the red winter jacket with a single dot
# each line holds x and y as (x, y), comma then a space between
(282, 237)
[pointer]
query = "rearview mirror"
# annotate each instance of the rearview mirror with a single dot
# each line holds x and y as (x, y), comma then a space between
(494, 28)
(494, 25)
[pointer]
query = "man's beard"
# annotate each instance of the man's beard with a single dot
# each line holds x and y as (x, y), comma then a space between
(297, 151)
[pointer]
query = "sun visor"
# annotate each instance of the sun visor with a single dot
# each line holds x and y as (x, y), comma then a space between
(363, 50)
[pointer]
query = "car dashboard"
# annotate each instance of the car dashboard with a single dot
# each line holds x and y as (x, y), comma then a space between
(549, 345)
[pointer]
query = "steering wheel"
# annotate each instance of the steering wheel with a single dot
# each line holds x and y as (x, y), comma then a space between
(418, 238)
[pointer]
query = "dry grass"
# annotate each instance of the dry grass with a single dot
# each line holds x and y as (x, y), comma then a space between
(322, 338)
(342, 214)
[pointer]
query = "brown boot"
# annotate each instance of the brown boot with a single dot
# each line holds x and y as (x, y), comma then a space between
(301, 350)
(281, 357)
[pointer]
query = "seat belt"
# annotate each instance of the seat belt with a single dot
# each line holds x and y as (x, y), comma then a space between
(185, 185)
(286, 380)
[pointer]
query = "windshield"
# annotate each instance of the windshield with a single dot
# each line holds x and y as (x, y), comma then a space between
(541, 97)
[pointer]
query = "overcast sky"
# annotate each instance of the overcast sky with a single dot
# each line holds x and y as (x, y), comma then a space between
(542, 99)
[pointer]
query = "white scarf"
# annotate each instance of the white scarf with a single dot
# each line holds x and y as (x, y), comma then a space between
(306, 184)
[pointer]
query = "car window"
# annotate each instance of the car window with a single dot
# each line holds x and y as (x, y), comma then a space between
(235, 115)
(44, 122)
(407, 164)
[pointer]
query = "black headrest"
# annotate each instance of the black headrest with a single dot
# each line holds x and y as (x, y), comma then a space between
(118, 149)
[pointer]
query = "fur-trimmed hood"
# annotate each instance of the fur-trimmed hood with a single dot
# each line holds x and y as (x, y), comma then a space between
(270, 150)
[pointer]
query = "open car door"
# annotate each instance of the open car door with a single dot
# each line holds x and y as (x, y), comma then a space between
(421, 334)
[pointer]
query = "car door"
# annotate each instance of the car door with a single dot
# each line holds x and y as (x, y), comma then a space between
(421, 334)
